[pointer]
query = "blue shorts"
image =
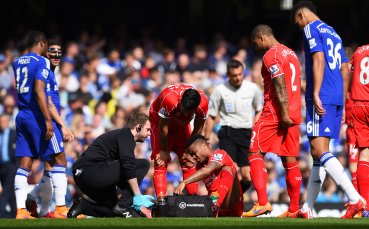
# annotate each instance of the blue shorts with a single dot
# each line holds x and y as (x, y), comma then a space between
(30, 142)
(327, 125)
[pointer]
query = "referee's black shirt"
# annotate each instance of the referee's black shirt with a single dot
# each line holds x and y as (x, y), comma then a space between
(113, 145)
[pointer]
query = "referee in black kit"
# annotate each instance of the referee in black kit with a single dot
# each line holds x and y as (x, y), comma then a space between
(109, 164)
(239, 103)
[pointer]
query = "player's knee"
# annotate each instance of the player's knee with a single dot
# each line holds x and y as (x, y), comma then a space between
(59, 159)
(25, 163)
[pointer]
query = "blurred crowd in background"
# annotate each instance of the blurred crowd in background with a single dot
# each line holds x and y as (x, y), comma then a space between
(101, 83)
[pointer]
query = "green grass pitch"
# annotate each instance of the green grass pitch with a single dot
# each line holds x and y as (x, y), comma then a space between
(203, 223)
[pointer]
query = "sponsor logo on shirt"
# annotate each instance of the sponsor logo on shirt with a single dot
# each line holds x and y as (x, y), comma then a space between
(312, 43)
(274, 69)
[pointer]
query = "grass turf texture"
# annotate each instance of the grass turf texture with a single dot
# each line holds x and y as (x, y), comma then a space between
(140, 223)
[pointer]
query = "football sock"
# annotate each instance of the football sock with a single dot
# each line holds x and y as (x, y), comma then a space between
(354, 180)
(59, 181)
(45, 192)
(338, 174)
(316, 179)
(363, 180)
(20, 187)
(225, 184)
(259, 178)
(160, 181)
(192, 188)
(293, 181)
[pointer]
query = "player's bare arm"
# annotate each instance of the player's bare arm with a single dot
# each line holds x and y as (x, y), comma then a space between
(282, 98)
(318, 74)
(198, 125)
(199, 175)
(163, 155)
(346, 83)
(42, 103)
(209, 126)
(67, 134)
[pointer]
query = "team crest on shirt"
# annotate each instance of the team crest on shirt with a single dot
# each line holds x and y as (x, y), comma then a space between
(218, 157)
(163, 112)
(312, 43)
(274, 69)
(45, 73)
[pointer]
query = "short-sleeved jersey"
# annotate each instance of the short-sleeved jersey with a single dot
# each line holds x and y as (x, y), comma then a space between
(221, 157)
(278, 61)
(166, 105)
(360, 74)
(320, 37)
(348, 110)
(53, 90)
(28, 68)
(236, 106)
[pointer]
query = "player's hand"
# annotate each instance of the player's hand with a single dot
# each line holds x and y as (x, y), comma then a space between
(319, 106)
(162, 158)
(287, 122)
(180, 188)
(49, 130)
(67, 134)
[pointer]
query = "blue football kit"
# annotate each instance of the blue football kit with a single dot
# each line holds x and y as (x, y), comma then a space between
(320, 37)
(30, 122)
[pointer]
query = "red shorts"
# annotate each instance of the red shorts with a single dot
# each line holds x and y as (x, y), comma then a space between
(268, 136)
(235, 211)
(353, 151)
(176, 140)
(360, 115)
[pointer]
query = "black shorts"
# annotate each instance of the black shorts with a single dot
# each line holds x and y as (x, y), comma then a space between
(236, 143)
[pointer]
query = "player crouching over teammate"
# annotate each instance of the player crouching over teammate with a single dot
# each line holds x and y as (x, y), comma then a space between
(216, 169)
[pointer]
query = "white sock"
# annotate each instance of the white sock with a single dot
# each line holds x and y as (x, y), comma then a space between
(46, 192)
(20, 186)
(336, 171)
(59, 180)
(316, 179)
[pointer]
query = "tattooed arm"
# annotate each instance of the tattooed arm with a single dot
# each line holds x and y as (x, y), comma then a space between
(199, 175)
(282, 98)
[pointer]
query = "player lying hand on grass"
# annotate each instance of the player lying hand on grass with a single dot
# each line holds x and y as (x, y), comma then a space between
(217, 170)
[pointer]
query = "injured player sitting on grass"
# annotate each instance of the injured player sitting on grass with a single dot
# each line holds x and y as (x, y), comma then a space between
(218, 172)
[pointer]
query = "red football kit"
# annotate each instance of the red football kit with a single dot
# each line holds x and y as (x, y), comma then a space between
(360, 113)
(352, 150)
(268, 136)
(167, 106)
(360, 94)
(217, 179)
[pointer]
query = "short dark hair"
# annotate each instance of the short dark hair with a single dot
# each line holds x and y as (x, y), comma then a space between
(195, 138)
(54, 42)
(35, 37)
(190, 99)
(233, 64)
(261, 30)
(302, 4)
(136, 118)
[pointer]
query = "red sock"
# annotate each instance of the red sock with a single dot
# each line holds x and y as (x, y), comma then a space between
(363, 179)
(225, 184)
(192, 188)
(293, 181)
(160, 181)
(354, 180)
(259, 178)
